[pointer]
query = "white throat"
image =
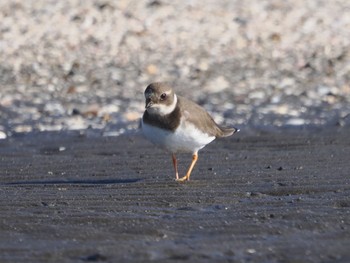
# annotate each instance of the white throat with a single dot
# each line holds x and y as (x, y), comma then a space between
(162, 109)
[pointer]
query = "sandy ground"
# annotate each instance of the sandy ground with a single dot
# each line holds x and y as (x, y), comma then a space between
(254, 197)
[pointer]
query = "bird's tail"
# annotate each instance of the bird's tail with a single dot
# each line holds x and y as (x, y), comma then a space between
(228, 131)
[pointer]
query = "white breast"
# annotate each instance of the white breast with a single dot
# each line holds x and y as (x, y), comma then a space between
(186, 138)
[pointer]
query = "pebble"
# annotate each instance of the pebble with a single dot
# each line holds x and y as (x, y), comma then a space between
(2, 135)
(22, 128)
(132, 116)
(245, 63)
(295, 122)
(152, 69)
(216, 85)
(251, 250)
(257, 95)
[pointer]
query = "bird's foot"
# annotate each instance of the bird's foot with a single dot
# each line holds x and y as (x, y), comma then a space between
(182, 179)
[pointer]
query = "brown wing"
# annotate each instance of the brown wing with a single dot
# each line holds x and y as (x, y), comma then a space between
(201, 118)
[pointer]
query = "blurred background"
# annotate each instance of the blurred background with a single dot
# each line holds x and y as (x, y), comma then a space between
(83, 65)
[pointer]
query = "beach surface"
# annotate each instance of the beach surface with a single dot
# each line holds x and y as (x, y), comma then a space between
(253, 197)
(78, 184)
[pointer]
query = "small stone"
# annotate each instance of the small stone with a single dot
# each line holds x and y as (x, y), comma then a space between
(275, 37)
(295, 122)
(106, 117)
(110, 108)
(203, 65)
(61, 148)
(217, 85)
(23, 128)
(282, 109)
(323, 90)
(80, 88)
(2, 135)
(132, 116)
(76, 123)
(287, 82)
(276, 99)
(54, 108)
(75, 112)
(257, 95)
(152, 69)
(71, 90)
(251, 251)
(91, 111)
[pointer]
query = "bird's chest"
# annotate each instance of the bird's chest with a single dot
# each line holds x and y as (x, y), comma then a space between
(185, 138)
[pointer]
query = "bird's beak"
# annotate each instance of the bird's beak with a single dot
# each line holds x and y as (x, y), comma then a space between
(149, 103)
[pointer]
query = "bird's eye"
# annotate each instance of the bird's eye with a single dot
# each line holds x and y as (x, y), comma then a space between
(163, 96)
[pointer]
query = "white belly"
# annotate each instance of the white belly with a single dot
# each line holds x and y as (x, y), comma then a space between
(186, 138)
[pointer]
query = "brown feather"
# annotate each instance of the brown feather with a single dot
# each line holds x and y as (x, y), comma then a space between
(201, 118)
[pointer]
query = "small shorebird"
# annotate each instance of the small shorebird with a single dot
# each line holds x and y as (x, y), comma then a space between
(177, 124)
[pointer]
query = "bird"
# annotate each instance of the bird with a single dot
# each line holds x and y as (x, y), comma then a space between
(178, 124)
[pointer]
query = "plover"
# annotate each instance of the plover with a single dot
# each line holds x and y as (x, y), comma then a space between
(177, 124)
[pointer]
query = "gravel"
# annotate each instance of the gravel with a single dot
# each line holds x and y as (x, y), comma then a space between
(83, 65)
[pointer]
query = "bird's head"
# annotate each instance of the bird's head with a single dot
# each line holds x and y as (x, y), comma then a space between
(160, 99)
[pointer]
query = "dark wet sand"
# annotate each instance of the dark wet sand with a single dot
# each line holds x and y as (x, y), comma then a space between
(282, 197)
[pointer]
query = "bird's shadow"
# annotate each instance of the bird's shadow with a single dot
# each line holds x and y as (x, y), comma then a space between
(76, 182)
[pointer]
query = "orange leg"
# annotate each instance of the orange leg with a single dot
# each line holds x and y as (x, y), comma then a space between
(188, 174)
(175, 166)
